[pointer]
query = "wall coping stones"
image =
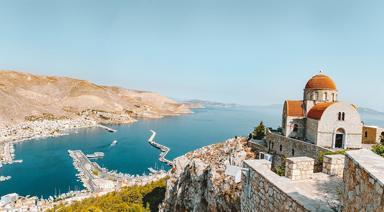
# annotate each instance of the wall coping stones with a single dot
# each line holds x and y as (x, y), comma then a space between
(303, 197)
(372, 163)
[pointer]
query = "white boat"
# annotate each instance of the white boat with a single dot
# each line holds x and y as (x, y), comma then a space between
(114, 143)
(95, 155)
(5, 178)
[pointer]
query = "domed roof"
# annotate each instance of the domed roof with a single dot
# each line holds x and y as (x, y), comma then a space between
(317, 111)
(321, 81)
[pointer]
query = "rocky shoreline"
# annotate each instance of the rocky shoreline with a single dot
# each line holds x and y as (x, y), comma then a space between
(198, 182)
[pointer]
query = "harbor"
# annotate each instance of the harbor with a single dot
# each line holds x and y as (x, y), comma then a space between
(97, 179)
(164, 150)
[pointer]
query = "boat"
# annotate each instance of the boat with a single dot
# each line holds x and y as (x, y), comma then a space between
(95, 155)
(114, 143)
(5, 178)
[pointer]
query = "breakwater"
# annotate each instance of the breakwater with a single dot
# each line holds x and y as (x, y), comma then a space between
(164, 150)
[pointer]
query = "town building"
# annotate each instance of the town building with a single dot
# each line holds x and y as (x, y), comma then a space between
(320, 118)
(372, 135)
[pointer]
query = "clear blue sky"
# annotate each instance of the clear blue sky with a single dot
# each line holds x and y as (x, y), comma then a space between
(248, 52)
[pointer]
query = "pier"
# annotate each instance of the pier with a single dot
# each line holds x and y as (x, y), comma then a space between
(90, 173)
(97, 179)
(107, 128)
(164, 150)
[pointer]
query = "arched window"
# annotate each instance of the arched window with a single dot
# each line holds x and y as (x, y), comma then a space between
(333, 97)
(343, 116)
(339, 116)
(293, 152)
(316, 95)
(295, 128)
(366, 134)
(281, 148)
(325, 96)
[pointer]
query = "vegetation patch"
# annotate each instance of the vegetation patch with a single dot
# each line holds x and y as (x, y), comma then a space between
(378, 149)
(134, 198)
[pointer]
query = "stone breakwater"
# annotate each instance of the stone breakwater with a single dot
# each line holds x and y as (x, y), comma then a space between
(198, 182)
(36, 129)
(164, 150)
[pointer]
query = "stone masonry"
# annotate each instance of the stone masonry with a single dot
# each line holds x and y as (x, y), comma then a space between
(299, 168)
(265, 191)
(333, 165)
(364, 181)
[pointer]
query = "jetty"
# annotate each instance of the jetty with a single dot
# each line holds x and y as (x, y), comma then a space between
(107, 128)
(90, 173)
(164, 150)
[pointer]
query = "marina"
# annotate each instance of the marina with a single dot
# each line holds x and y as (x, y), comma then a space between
(164, 150)
(97, 179)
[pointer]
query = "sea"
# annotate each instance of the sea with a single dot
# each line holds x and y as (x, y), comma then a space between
(47, 169)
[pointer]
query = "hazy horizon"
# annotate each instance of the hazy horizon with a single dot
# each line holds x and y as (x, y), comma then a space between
(248, 52)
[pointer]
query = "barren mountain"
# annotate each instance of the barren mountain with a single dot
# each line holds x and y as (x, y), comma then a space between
(30, 97)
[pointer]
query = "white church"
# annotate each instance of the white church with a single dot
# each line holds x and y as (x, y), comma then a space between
(320, 118)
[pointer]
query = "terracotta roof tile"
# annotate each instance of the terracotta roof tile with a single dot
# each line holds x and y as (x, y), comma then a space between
(317, 111)
(321, 81)
(294, 108)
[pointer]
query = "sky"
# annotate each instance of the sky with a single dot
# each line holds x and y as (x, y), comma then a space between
(255, 52)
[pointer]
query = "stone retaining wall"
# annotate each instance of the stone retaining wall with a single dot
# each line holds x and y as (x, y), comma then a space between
(260, 192)
(364, 181)
(285, 147)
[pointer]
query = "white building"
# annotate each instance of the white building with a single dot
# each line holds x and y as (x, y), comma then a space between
(320, 118)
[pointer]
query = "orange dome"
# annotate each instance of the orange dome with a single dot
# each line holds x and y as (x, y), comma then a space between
(321, 81)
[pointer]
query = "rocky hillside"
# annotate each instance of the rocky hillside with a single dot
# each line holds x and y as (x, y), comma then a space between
(198, 182)
(29, 97)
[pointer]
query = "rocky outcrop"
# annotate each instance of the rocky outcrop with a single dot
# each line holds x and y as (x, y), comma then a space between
(27, 97)
(198, 182)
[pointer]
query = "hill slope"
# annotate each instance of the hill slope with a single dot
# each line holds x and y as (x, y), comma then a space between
(31, 97)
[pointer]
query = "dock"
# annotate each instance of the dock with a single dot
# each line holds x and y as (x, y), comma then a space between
(97, 179)
(90, 173)
(107, 128)
(164, 150)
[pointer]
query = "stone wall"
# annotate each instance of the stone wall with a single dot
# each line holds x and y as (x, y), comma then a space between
(299, 168)
(333, 165)
(283, 147)
(364, 181)
(260, 193)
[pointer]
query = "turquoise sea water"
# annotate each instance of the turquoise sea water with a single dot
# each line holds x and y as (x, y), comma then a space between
(47, 168)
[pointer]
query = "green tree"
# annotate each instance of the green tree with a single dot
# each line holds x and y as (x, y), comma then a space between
(378, 149)
(259, 132)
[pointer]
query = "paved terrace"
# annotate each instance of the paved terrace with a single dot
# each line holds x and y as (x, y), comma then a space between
(317, 193)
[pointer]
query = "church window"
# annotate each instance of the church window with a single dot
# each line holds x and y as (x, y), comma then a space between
(316, 95)
(325, 96)
(343, 116)
(293, 152)
(333, 97)
(339, 116)
(281, 148)
(295, 128)
(366, 134)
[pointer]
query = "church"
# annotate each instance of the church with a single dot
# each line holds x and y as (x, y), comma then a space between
(321, 119)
